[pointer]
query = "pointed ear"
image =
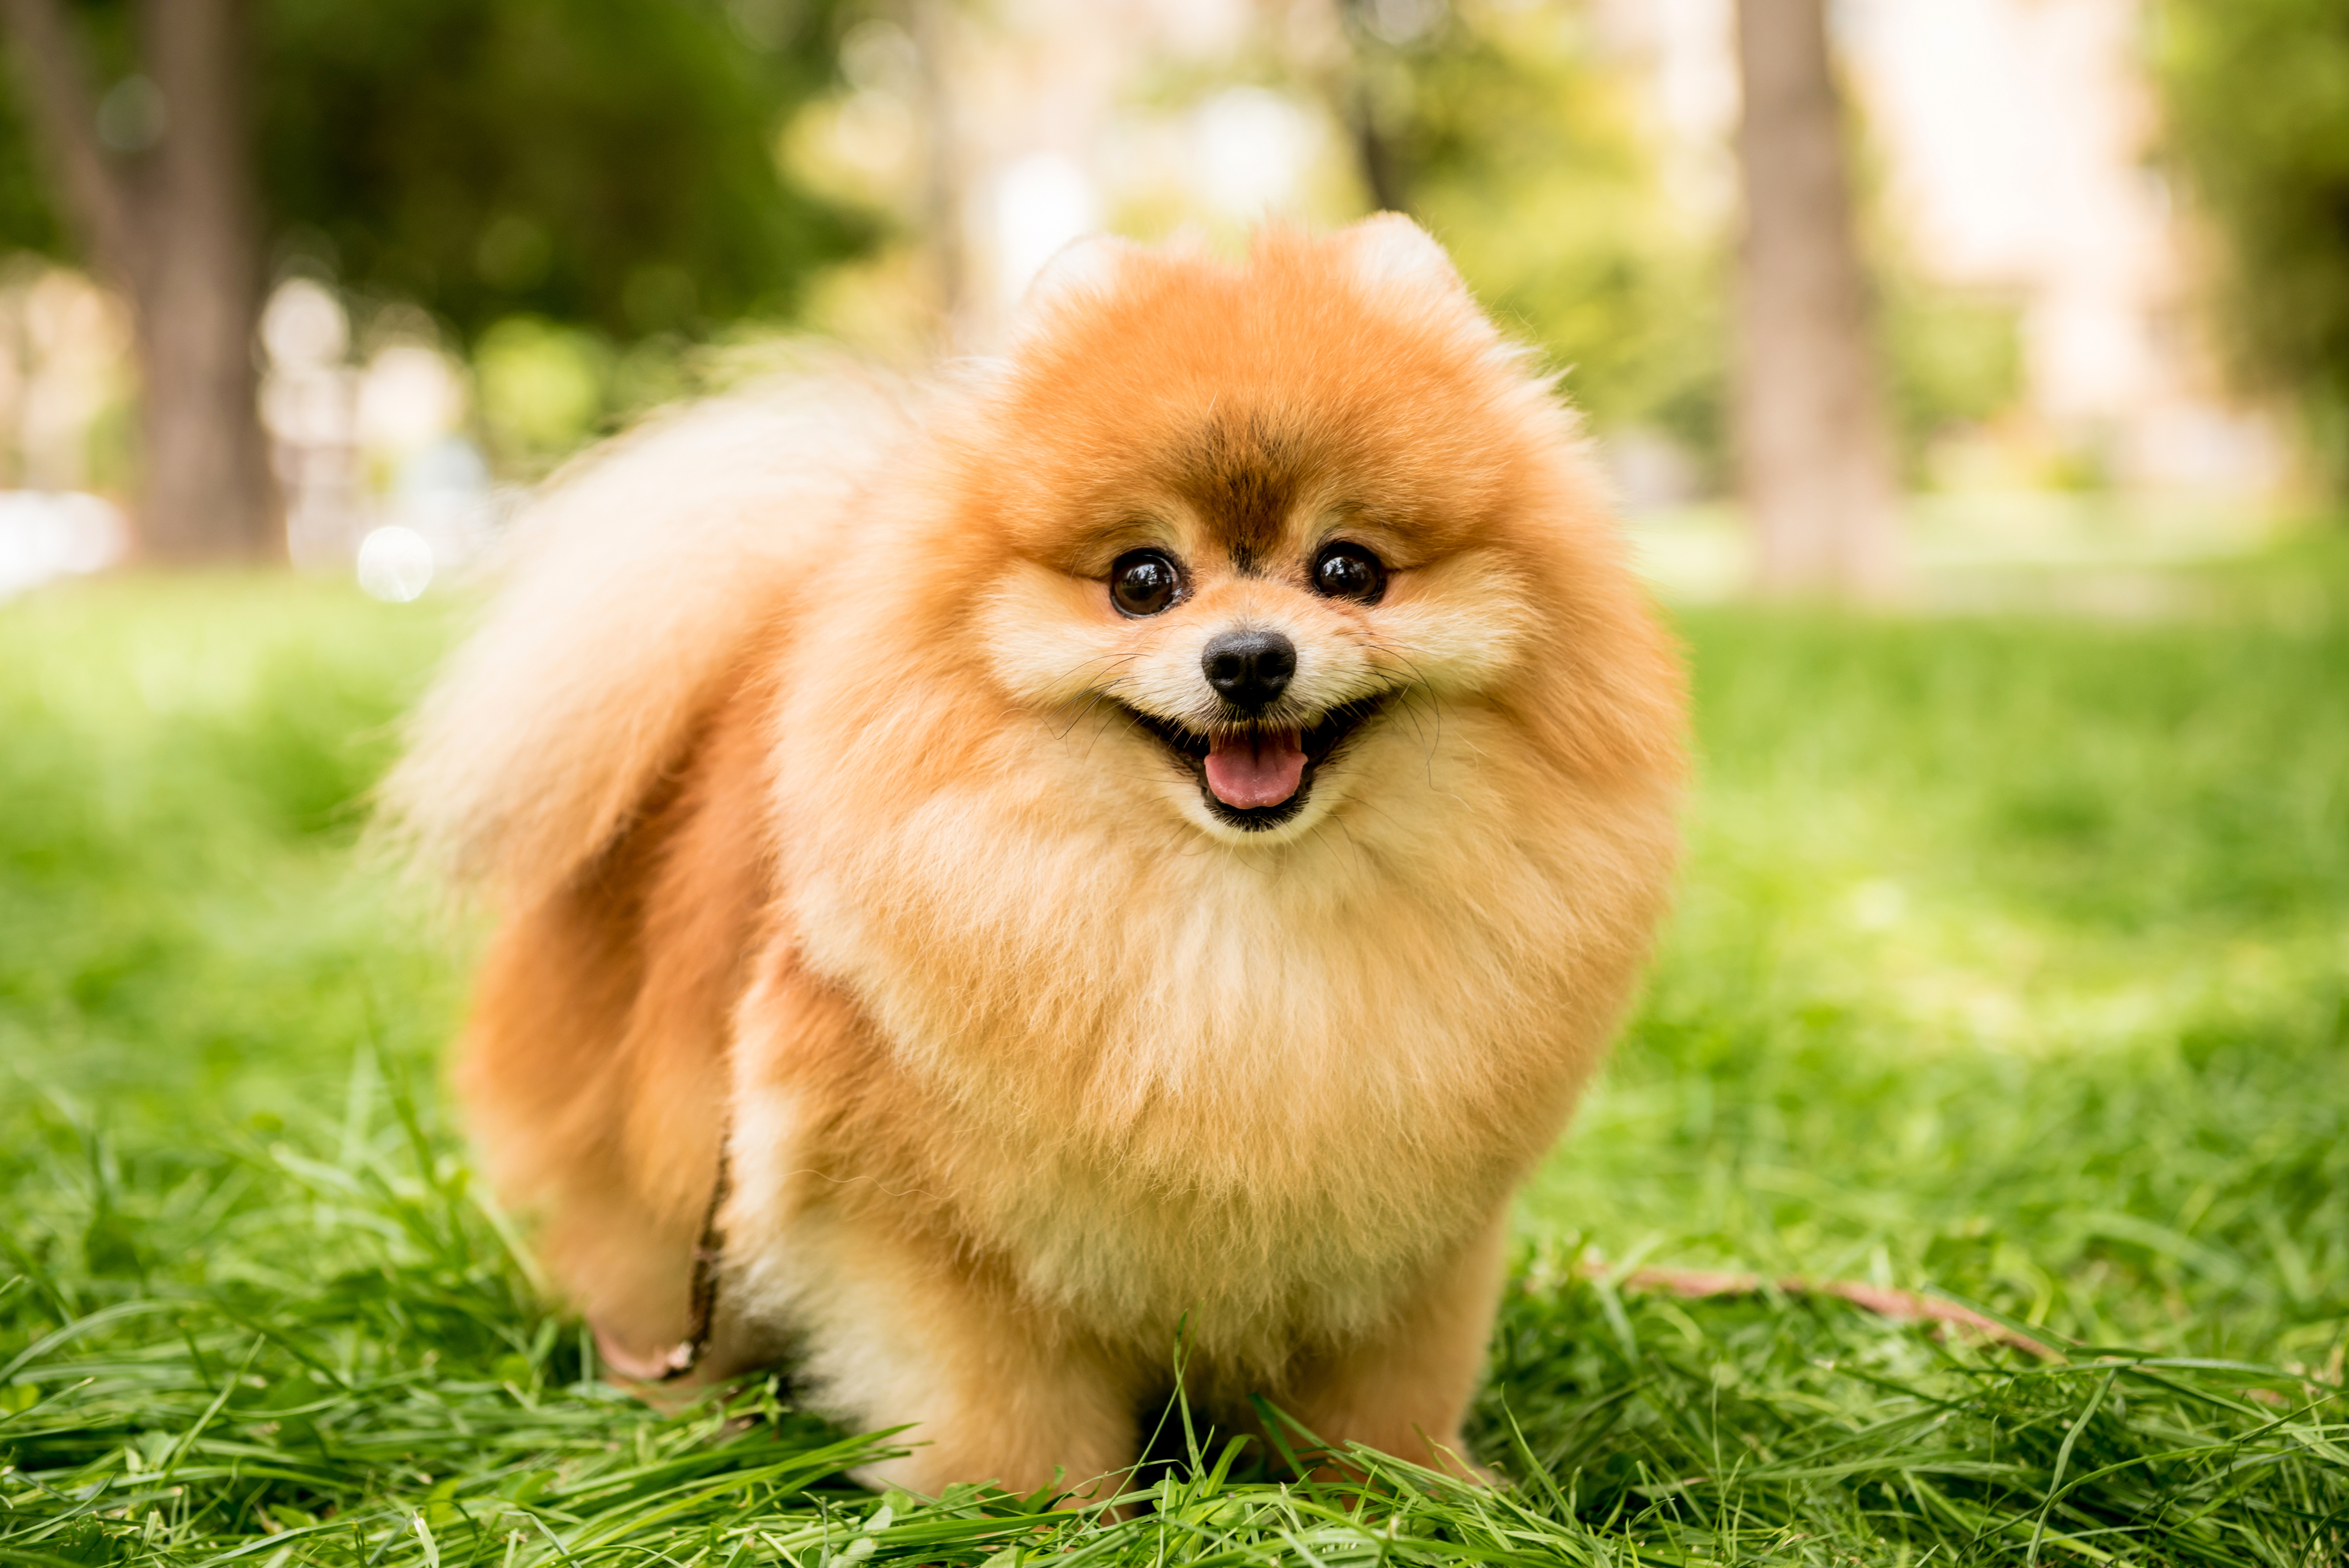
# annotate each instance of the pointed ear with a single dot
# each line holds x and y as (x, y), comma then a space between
(1399, 265)
(1085, 265)
(1388, 250)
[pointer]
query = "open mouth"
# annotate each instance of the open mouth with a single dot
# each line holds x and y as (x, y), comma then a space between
(1256, 775)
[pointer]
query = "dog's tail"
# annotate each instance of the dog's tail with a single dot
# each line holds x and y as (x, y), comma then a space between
(631, 587)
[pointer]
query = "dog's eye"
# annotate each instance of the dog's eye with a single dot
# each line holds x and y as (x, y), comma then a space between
(1349, 572)
(1143, 581)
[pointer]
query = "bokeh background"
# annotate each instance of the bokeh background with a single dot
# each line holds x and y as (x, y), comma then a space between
(2099, 270)
(1970, 374)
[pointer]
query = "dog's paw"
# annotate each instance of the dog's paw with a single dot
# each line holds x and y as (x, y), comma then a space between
(640, 1366)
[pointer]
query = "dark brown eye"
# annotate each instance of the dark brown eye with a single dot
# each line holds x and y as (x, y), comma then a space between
(1143, 581)
(1349, 572)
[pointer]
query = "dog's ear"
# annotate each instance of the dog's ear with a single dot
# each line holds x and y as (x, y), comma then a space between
(1396, 262)
(1085, 267)
(1388, 250)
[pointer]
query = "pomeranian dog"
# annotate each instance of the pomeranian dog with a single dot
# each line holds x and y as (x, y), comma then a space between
(1139, 841)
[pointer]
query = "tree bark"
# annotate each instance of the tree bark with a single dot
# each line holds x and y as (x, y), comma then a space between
(1814, 453)
(942, 166)
(1375, 154)
(207, 494)
(177, 230)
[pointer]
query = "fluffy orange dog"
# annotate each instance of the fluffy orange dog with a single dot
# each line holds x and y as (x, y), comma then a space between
(1147, 838)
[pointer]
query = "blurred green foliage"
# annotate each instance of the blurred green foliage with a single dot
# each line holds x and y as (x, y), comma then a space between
(543, 385)
(1517, 135)
(2257, 98)
(1953, 359)
(582, 190)
(1520, 144)
(587, 160)
(603, 163)
(27, 220)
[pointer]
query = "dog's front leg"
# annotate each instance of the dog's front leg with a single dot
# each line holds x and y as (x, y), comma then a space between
(894, 1333)
(1404, 1388)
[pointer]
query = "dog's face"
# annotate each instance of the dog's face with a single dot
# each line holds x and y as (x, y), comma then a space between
(1262, 523)
(1256, 630)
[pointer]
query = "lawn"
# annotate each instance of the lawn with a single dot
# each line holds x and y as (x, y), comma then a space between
(2012, 964)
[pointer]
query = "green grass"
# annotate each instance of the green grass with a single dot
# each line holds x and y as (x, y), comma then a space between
(2013, 964)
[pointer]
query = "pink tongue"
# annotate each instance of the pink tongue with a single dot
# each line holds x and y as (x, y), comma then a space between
(1247, 771)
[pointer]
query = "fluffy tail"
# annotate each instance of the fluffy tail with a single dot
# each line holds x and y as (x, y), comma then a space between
(631, 587)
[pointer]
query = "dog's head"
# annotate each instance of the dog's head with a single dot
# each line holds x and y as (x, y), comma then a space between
(1270, 525)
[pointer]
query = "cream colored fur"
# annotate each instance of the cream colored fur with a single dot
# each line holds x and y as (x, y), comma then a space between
(1030, 1058)
(630, 587)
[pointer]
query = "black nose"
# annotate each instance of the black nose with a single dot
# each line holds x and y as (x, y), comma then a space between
(1250, 668)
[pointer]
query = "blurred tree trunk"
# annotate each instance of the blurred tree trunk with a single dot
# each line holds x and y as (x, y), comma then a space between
(943, 216)
(1814, 449)
(176, 228)
(1375, 153)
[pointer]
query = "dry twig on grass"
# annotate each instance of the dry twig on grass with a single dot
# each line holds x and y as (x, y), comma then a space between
(1898, 1306)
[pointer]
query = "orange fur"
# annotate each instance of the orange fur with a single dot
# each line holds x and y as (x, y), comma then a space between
(1028, 1060)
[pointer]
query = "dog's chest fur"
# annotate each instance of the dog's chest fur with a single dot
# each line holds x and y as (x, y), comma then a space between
(1262, 1092)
